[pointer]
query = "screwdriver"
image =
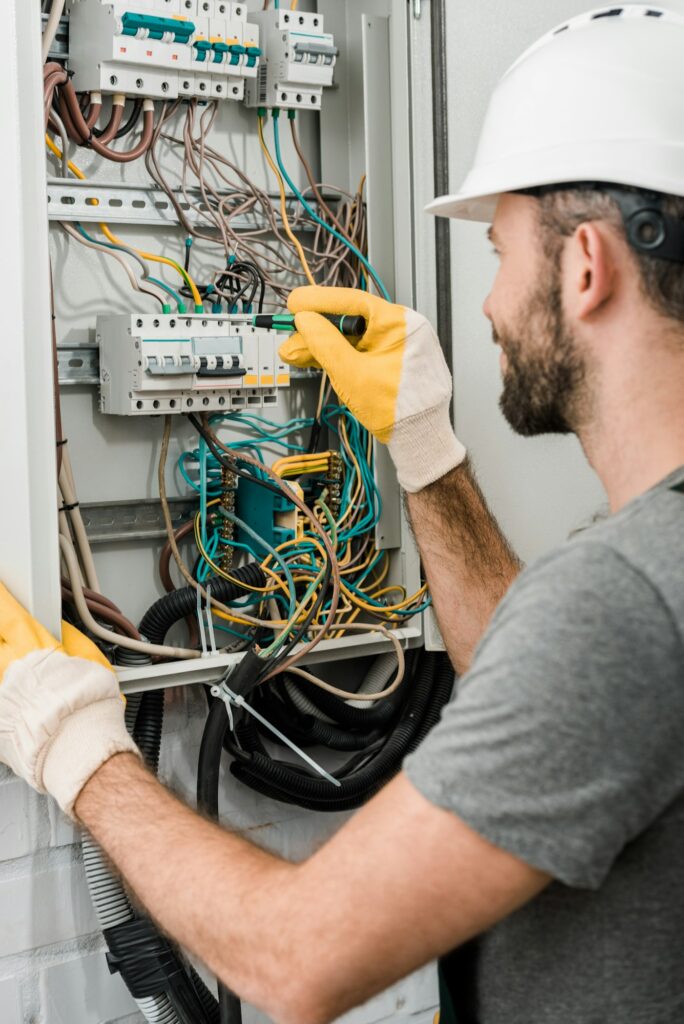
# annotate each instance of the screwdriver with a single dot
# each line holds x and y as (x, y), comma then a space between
(351, 326)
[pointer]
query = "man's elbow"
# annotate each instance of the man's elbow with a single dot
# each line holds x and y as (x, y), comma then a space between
(296, 999)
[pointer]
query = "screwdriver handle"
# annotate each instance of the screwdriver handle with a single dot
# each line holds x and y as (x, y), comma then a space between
(350, 326)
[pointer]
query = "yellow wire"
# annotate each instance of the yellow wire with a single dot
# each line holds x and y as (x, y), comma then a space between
(293, 5)
(58, 153)
(283, 204)
(197, 298)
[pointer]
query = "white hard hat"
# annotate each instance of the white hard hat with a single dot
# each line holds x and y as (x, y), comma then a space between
(600, 99)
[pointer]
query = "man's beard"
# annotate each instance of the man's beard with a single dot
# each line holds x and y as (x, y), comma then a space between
(544, 380)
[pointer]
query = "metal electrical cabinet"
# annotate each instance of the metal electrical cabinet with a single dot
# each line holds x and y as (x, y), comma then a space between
(371, 122)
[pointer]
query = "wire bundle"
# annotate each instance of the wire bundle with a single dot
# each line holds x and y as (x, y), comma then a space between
(296, 564)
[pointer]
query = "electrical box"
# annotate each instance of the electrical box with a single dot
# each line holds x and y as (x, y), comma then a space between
(162, 48)
(177, 364)
(298, 63)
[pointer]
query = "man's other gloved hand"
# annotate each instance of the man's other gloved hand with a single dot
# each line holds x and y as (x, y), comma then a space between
(394, 379)
(61, 713)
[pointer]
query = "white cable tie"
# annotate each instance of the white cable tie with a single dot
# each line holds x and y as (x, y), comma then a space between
(229, 697)
(200, 622)
(210, 621)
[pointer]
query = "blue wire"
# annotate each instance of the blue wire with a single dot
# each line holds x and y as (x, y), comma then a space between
(312, 213)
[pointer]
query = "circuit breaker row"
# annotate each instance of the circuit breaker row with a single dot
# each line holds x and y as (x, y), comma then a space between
(175, 364)
(162, 49)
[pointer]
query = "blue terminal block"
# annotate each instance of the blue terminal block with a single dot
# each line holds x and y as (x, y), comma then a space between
(157, 27)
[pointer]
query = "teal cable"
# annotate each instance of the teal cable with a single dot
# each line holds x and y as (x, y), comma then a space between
(319, 220)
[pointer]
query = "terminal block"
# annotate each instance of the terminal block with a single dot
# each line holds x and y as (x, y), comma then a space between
(177, 364)
(162, 48)
(298, 61)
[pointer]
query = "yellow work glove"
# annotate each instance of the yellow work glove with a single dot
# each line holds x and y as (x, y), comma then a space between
(394, 379)
(61, 713)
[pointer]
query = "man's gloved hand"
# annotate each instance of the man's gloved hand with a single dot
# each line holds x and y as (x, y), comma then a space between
(394, 379)
(61, 713)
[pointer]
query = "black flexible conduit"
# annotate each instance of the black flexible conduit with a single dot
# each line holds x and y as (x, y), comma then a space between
(378, 714)
(173, 607)
(429, 688)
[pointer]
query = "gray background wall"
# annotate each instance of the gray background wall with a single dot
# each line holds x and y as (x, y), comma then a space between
(52, 968)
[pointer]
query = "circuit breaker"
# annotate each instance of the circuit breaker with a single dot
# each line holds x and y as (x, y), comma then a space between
(225, 51)
(162, 48)
(173, 364)
(298, 61)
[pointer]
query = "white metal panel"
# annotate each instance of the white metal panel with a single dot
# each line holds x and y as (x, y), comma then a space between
(541, 488)
(28, 551)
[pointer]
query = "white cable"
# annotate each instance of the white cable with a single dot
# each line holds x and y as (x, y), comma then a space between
(66, 486)
(51, 26)
(156, 650)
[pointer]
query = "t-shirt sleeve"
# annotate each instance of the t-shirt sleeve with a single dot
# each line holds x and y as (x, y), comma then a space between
(565, 739)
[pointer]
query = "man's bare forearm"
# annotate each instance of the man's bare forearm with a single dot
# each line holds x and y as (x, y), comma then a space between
(134, 819)
(468, 562)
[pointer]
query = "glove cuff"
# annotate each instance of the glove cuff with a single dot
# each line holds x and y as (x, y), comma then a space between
(424, 448)
(85, 740)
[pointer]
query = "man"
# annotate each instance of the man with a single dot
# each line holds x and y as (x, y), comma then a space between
(545, 814)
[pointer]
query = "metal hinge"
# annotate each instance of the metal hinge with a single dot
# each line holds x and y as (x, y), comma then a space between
(417, 6)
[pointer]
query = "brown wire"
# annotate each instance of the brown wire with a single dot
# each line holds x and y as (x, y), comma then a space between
(120, 623)
(72, 116)
(113, 124)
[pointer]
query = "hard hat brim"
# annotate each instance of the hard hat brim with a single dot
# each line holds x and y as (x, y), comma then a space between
(462, 206)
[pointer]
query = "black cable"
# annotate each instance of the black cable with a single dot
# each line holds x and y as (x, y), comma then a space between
(125, 128)
(174, 606)
(227, 462)
(428, 692)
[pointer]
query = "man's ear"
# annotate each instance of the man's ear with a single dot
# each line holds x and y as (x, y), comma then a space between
(589, 269)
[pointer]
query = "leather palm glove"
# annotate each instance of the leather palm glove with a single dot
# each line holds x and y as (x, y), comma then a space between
(394, 379)
(61, 713)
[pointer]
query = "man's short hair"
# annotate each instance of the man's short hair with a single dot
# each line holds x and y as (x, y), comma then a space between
(562, 210)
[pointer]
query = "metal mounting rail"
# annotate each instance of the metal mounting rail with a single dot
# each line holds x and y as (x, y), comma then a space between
(108, 522)
(123, 203)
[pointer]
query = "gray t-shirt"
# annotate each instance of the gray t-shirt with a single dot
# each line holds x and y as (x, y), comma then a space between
(565, 746)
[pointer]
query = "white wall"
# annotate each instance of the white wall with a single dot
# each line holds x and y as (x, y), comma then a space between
(539, 488)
